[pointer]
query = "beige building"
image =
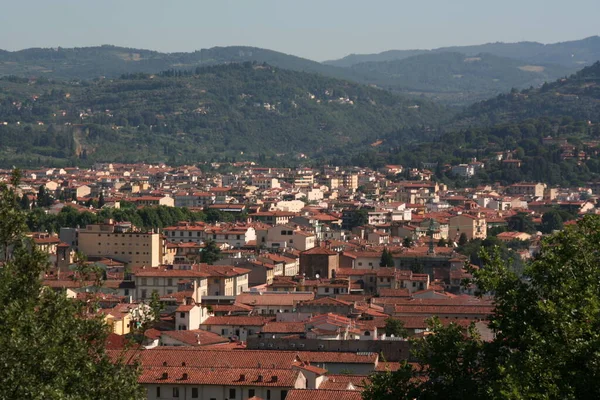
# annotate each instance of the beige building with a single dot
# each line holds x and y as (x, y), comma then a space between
(118, 241)
(473, 226)
(527, 189)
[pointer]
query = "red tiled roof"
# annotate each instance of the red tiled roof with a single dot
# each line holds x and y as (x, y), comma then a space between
(285, 378)
(237, 321)
(322, 394)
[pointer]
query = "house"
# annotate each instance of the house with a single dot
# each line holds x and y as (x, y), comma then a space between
(235, 327)
(510, 236)
(473, 226)
(166, 280)
(182, 382)
(319, 261)
(119, 241)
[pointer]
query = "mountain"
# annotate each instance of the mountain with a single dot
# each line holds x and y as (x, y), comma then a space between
(576, 53)
(457, 77)
(223, 110)
(112, 61)
(576, 97)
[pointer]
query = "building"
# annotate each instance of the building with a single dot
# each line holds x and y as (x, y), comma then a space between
(319, 261)
(119, 241)
(473, 226)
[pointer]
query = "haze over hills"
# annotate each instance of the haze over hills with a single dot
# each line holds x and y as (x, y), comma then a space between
(576, 97)
(456, 77)
(233, 109)
(576, 53)
(439, 74)
(111, 61)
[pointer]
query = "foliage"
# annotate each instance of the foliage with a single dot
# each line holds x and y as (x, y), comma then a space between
(387, 260)
(521, 222)
(552, 221)
(50, 348)
(462, 239)
(466, 78)
(145, 218)
(210, 253)
(545, 325)
(186, 116)
(395, 327)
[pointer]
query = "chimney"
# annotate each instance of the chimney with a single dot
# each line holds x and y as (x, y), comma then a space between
(184, 377)
(259, 379)
(242, 377)
(165, 375)
(274, 378)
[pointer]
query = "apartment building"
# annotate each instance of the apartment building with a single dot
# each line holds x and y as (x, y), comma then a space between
(119, 241)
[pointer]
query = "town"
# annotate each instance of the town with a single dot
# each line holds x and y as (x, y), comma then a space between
(241, 281)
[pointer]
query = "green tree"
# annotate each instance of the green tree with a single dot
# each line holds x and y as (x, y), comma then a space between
(407, 242)
(101, 200)
(521, 222)
(392, 385)
(12, 219)
(545, 325)
(50, 348)
(462, 239)
(210, 253)
(387, 260)
(551, 221)
(395, 327)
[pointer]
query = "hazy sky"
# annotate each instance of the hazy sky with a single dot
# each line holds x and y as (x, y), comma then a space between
(319, 30)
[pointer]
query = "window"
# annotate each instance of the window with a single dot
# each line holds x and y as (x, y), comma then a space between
(268, 394)
(182, 315)
(232, 393)
(283, 394)
(170, 282)
(155, 282)
(194, 393)
(175, 392)
(143, 293)
(326, 290)
(251, 392)
(144, 282)
(158, 391)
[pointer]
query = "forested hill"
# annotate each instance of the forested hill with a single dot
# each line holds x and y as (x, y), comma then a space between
(458, 77)
(112, 61)
(254, 109)
(576, 97)
(575, 53)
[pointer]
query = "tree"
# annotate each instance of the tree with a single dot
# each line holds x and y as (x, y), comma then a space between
(101, 201)
(50, 348)
(12, 220)
(359, 218)
(551, 221)
(395, 327)
(387, 260)
(462, 239)
(391, 385)
(407, 242)
(545, 325)
(521, 222)
(210, 253)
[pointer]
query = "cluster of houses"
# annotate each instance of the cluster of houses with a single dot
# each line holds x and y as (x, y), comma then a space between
(314, 266)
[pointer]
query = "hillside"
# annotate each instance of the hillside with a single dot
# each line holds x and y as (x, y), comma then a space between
(576, 97)
(573, 54)
(457, 77)
(112, 61)
(242, 110)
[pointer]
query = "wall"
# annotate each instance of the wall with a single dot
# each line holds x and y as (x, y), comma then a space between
(391, 350)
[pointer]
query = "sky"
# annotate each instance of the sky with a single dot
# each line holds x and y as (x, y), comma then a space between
(319, 30)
